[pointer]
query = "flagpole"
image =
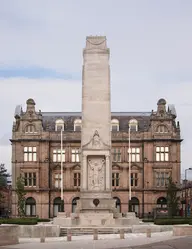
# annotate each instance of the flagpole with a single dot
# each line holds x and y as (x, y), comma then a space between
(129, 169)
(62, 165)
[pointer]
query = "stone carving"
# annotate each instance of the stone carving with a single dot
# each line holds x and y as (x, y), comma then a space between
(96, 42)
(96, 173)
(95, 143)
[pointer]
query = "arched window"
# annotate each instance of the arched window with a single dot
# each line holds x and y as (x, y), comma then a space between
(74, 204)
(133, 124)
(30, 207)
(114, 125)
(57, 206)
(135, 205)
(161, 202)
(118, 204)
(30, 129)
(59, 125)
(162, 129)
(77, 125)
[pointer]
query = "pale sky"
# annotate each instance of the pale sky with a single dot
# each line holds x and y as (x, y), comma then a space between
(41, 46)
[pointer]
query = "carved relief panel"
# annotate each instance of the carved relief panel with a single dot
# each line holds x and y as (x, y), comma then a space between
(96, 173)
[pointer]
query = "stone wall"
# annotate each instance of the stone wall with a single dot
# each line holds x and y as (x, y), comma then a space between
(185, 230)
(31, 231)
(8, 235)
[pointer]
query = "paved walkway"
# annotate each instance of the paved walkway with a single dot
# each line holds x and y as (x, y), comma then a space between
(105, 242)
(181, 243)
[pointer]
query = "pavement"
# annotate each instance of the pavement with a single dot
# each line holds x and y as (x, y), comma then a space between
(179, 243)
(163, 240)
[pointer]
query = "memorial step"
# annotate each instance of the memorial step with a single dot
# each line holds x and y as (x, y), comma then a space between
(89, 231)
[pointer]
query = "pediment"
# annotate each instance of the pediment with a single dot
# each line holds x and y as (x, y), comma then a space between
(30, 115)
(95, 143)
(116, 167)
(136, 167)
(57, 167)
(76, 167)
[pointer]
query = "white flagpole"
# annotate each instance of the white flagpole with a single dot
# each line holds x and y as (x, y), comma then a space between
(129, 163)
(62, 164)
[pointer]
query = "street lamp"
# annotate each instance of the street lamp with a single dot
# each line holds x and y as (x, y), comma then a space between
(129, 152)
(186, 190)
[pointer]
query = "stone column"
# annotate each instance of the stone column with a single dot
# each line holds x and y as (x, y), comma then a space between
(107, 174)
(84, 172)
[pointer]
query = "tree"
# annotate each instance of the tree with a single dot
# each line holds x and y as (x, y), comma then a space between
(3, 180)
(3, 175)
(20, 191)
(172, 198)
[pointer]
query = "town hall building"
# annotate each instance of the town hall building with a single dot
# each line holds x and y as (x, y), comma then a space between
(36, 154)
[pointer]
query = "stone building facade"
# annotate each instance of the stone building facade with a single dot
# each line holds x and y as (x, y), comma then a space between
(36, 154)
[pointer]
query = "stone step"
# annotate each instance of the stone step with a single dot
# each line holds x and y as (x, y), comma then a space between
(89, 231)
(115, 230)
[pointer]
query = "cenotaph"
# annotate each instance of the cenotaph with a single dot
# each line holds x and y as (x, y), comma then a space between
(96, 202)
(96, 207)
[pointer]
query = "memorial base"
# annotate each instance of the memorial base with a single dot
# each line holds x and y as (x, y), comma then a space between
(101, 219)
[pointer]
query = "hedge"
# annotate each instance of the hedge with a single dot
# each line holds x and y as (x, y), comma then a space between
(148, 220)
(19, 221)
(190, 222)
(23, 221)
(43, 220)
(169, 221)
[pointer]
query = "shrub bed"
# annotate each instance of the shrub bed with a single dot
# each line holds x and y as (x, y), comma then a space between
(148, 220)
(170, 221)
(190, 222)
(43, 220)
(23, 221)
(19, 221)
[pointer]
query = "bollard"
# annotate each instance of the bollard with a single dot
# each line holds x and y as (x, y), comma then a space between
(148, 233)
(122, 234)
(95, 234)
(42, 234)
(68, 235)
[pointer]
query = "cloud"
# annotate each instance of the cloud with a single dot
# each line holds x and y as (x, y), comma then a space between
(35, 73)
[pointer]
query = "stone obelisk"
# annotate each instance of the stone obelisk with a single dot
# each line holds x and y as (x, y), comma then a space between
(95, 193)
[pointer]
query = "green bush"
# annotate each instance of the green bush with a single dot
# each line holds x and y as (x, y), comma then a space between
(148, 220)
(43, 220)
(19, 221)
(23, 221)
(190, 222)
(169, 221)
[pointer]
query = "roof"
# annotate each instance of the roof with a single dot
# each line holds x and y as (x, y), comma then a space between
(49, 119)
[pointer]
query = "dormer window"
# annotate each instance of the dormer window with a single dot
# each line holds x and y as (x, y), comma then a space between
(133, 124)
(77, 125)
(30, 129)
(162, 129)
(59, 125)
(114, 125)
